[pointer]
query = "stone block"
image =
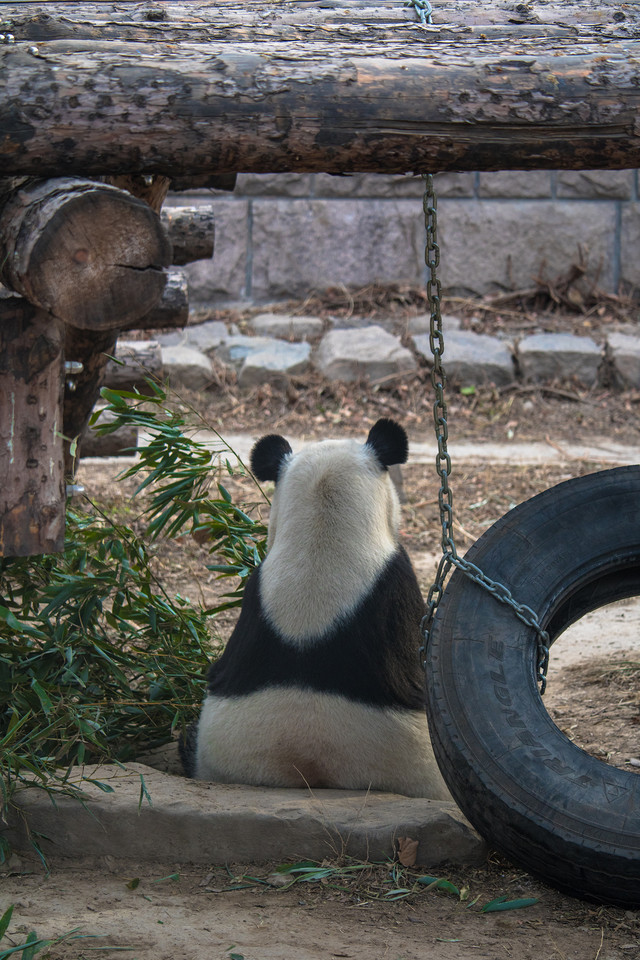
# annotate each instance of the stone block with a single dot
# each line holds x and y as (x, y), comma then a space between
(224, 275)
(187, 367)
(368, 185)
(516, 184)
(458, 185)
(490, 245)
(307, 244)
(624, 353)
(368, 352)
(274, 364)
(595, 184)
(559, 356)
(286, 326)
(274, 185)
(235, 349)
(471, 358)
(629, 246)
(202, 336)
(422, 323)
(191, 821)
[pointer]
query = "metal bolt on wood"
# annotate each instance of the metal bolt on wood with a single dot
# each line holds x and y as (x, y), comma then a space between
(443, 463)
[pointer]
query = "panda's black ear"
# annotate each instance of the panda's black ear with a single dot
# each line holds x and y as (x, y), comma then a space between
(268, 456)
(389, 442)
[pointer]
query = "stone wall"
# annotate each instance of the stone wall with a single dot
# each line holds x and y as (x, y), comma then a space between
(282, 235)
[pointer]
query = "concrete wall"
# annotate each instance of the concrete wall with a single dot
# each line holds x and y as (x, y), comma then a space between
(280, 236)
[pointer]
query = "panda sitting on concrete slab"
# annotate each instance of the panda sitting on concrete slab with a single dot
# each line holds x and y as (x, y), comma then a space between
(320, 682)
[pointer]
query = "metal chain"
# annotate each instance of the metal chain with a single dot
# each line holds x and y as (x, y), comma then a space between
(443, 462)
(423, 8)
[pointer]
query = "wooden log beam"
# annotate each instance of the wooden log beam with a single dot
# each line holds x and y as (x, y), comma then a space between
(32, 489)
(88, 253)
(120, 442)
(191, 231)
(133, 361)
(292, 87)
(172, 310)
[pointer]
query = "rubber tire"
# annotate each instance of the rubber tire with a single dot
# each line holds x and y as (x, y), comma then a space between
(568, 818)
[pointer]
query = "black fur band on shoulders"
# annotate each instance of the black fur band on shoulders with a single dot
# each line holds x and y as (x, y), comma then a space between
(370, 657)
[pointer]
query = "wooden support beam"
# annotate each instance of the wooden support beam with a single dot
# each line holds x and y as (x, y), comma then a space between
(32, 489)
(172, 310)
(191, 231)
(92, 349)
(97, 89)
(133, 361)
(86, 252)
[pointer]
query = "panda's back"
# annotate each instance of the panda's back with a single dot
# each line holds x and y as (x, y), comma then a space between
(369, 655)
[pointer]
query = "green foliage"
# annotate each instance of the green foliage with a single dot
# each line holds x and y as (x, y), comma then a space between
(178, 471)
(97, 661)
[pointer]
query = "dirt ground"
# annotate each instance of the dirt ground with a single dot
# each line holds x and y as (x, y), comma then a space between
(182, 912)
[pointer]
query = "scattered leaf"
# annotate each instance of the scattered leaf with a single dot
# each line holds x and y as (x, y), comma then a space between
(407, 851)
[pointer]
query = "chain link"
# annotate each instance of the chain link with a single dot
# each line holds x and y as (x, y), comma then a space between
(423, 8)
(443, 463)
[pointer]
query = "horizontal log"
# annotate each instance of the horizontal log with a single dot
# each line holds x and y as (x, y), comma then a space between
(353, 87)
(118, 443)
(88, 253)
(191, 231)
(355, 19)
(172, 310)
(132, 362)
(32, 490)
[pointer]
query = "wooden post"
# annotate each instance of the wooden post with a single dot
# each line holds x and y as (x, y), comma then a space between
(32, 493)
(88, 253)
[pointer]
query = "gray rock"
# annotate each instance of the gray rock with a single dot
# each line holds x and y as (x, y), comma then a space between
(471, 358)
(187, 367)
(213, 823)
(236, 348)
(624, 351)
(368, 352)
(422, 323)
(559, 356)
(202, 336)
(274, 363)
(286, 326)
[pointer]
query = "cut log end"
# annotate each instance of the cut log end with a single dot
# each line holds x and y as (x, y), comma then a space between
(88, 253)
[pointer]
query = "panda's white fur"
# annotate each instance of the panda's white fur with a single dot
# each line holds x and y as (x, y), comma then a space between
(320, 683)
(333, 525)
(291, 737)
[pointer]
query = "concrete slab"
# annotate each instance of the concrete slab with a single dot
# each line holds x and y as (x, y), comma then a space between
(197, 822)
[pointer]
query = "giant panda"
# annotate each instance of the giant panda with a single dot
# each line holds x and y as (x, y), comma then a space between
(320, 683)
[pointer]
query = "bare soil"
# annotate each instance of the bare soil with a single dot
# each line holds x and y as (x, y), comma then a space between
(244, 911)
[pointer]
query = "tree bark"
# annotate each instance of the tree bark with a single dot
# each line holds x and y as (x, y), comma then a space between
(86, 252)
(287, 87)
(32, 490)
(191, 231)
